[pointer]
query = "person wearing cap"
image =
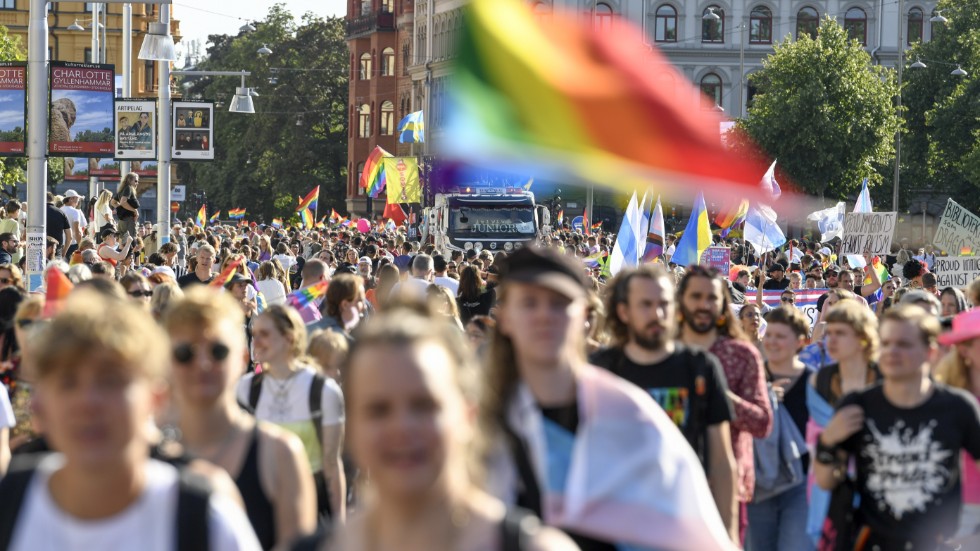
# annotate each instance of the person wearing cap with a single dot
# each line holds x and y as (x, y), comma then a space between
(237, 287)
(76, 219)
(629, 459)
(364, 268)
(109, 250)
(832, 276)
(777, 278)
(905, 437)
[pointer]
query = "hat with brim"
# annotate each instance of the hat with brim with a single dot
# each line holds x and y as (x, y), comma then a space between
(966, 326)
(544, 268)
(237, 278)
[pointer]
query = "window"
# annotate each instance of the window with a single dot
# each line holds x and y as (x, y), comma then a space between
(149, 76)
(603, 16)
(387, 118)
(856, 25)
(388, 62)
(713, 30)
(760, 26)
(915, 26)
(357, 183)
(365, 66)
(88, 55)
(666, 25)
(388, 6)
(807, 23)
(364, 121)
(405, 59)
(8, 4)
(711, 88)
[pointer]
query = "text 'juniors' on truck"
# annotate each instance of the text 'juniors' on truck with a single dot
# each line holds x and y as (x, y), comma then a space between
(497, 222)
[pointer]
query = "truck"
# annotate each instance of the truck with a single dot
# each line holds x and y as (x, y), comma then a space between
(494, 221)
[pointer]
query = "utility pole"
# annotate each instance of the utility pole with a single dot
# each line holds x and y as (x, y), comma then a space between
(898, 135)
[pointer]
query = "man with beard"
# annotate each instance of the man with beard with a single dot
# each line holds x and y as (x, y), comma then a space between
(688, 383)
(709, 323)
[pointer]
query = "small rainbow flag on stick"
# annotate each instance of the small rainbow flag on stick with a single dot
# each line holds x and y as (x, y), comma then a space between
(236, 214)
(277, 222)
(302, 297)
(214, 217)
(373, 176)
(310, 201)
(202, 216)
(307, 217)
(225, 276)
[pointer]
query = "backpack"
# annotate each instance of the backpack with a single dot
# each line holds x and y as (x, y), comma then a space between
(778, 457)
(193, 498)
(316, 413)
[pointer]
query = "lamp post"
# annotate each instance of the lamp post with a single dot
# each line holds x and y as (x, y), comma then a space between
(95, 56)
(898, 135)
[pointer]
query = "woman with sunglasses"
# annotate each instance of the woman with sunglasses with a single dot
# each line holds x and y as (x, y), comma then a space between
(750, 317)
(109, 249)
(285, 394)
(137, 287)
(267, 463)
(10, 276)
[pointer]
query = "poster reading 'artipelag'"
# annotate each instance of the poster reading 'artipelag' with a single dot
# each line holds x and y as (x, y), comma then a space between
(193, 137)
(81, 118)
(13, 107)
(135, 125)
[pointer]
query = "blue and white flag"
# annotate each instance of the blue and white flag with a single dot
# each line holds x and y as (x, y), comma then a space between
(644, 228)
(412, 128)
(761, 229)
(769, 183)
(624, 252)
(864, 199)
(829, 221)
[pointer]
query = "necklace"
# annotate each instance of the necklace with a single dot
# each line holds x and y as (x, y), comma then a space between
(281, 404)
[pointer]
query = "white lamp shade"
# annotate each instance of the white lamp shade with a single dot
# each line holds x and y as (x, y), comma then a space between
(264, 50)
(242, 102)
(76, 26)
(158, 44)
(959, 72)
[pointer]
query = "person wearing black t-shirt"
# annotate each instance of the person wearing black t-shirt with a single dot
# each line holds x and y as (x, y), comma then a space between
(689, 384)
(778, 280)
(906, 437)
(202, 273)
(58, 226)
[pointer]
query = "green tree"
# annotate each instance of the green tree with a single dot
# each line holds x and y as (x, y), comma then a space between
(297, 138)
(941, 152)
(825, 112)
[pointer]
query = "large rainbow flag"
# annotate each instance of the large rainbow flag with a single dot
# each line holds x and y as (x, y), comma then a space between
(236, 214)
(310, 201)
(563, 97)
(373, 176)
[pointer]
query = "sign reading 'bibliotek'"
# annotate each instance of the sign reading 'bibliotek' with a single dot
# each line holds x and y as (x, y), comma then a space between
(956, 271)
(868, 233)
(958, 229)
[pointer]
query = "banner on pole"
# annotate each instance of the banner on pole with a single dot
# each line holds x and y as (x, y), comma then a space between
(958, 229)
(13, 108)
(956, 271)
(868, 233)
(193, 132)
(402, 179)
(719, 258)
(81, 118)
(135, 124)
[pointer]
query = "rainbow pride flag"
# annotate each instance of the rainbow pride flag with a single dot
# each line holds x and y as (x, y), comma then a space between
(373, 176)
(597, 226)
(306, 215)
(310, 201)
(236, 214)
(561, 217)
(214, 217)
(732, 214)
(202, 216)
(225, 276)
(595, 260)
(560, 96)
(302, 297)
(277, 222)
(334, 216)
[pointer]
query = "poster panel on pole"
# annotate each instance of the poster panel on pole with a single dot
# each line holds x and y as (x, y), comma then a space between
(145, 169)
(193, 132)
(81, 118)
(13, 108)
(82, 168)
(135, 129)
(958, 230)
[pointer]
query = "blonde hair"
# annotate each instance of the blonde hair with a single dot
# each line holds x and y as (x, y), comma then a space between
(953, 371)
(861, 320)
(92, 322)
(288, 322)
(164, 295)
(331, 345)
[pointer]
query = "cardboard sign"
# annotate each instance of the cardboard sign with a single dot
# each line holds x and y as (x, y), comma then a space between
(958, 229)
(956, 271)
(719, 258)
(868, 233)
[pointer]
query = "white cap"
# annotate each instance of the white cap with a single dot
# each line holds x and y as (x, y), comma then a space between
(71, 193)
(167, 270)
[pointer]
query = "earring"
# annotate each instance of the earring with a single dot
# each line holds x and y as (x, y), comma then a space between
(721, 321)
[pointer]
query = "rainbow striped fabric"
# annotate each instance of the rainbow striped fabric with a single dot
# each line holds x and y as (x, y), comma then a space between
(310, 201)
(373, 176)
(236, 214)
(202, 216)
(225, 276)
(277, 222)
(306, 216)
(566, 98)
(302, 297)
(214, 217)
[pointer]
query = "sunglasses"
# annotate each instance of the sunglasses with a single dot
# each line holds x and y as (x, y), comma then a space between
(6, 281)
(184, 353)
(788, 300)
(24, 323)
(140, 293)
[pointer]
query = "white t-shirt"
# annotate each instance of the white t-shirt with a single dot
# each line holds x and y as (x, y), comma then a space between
(148, 524)
(7, 419)
(286, 261)
(448, 283)
(412, 287)
(102, 217)
(273, 291)
(74, 215)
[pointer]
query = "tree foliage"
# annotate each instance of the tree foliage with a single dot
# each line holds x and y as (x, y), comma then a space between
(824, 111)
(941, 152)
(297, 138)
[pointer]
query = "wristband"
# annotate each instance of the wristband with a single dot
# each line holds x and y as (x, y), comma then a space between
(826, 454)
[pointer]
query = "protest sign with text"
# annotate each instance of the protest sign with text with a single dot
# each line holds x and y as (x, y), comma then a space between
(868, 233)
(956, 271)
(958, 229)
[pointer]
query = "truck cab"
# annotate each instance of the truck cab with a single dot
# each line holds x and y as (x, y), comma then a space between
(497, 222)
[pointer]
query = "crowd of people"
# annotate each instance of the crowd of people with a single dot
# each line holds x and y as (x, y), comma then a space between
(256, 387)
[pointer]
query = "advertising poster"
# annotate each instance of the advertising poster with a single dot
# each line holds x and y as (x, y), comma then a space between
(13, 108)
(136, 129)
(193, 137)
(81, 168)
(81, 118)
(144, 169)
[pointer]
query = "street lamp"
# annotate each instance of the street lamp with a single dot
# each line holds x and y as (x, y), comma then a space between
(918, 64)
(711, 15)
(247, 27)
(264, 50)
(959, 72)
(158, 45)
(938, 18)
(242, 101)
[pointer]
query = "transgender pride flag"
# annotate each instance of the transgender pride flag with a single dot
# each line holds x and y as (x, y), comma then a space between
(655, 237)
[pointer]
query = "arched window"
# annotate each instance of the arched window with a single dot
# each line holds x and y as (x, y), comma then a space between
(915, 26)
(760, 26)
(603, 16)
(856, 25)
(388, 62)
(713, 30)
(542, 12)
(711, 88)
(387, 118)
(364, 121)
(807, 23)
(666, 26)
(365, 66)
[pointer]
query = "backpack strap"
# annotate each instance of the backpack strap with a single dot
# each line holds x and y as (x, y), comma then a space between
(530, 495)
(193, 499)
(517, 529)
(316, 405)
(254, 391)
(13, 490)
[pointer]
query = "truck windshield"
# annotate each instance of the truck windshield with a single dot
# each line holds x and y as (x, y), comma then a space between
(487, 222)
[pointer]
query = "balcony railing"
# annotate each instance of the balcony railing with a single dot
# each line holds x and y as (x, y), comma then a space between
(372, 22)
